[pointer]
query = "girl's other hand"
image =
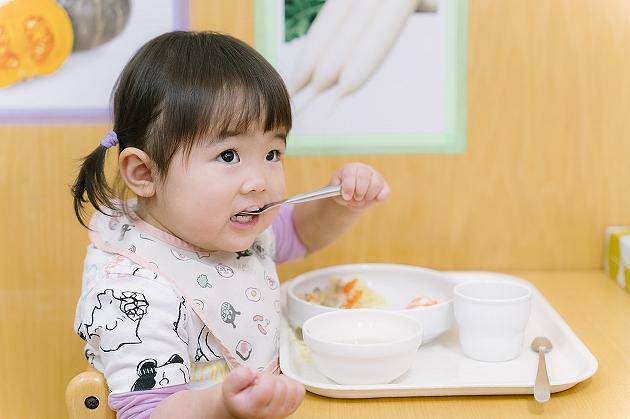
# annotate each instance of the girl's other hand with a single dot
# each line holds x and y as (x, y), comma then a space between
(361, 186)
(248, 394)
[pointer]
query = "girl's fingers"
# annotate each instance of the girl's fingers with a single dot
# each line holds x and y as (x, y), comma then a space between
(292, 397)
(375, 188)
(263, 391)
(362, 185)
(280, 396)
(348, 182)
(238, 380)
(384, 193)
(297, 396)
(287, 397)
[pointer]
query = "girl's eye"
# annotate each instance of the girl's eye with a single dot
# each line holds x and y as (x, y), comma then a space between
(228, 156)
(273, 155)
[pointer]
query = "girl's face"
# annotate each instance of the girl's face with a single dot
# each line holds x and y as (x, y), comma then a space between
(198, 199)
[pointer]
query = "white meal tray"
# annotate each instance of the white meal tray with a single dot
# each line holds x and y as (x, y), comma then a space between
(441, 368)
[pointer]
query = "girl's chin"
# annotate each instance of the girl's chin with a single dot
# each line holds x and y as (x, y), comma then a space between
(239, 236)
(234, 246)
(243, 240)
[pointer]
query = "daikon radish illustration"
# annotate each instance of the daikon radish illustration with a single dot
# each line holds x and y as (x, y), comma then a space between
(310, 96)
(320, 36)
(374, 44)
(363, 16)
(354, 52)
(303, 97)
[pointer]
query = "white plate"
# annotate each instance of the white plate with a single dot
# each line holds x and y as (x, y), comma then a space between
(441, 369)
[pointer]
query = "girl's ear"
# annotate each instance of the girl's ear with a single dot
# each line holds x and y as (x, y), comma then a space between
(138, 171)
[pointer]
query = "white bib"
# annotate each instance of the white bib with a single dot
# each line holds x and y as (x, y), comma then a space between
(236, 295)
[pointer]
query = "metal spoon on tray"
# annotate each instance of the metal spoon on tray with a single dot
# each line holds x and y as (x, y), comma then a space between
(319, 193)
(542, 391)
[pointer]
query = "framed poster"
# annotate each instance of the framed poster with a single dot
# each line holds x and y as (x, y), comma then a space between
(104, 36)
(370, 76)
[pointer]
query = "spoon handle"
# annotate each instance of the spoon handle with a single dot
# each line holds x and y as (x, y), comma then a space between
(541, 388)
(319, 193)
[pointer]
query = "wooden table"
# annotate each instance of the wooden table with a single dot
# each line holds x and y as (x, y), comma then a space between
(595, 308)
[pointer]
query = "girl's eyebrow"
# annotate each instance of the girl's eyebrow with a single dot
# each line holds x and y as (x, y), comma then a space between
(222, 136)
(226, 134)
(282, 136)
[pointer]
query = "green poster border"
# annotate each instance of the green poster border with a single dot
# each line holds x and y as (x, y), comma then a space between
(453, 141)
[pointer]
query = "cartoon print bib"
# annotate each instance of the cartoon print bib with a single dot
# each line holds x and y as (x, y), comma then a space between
(236, 295)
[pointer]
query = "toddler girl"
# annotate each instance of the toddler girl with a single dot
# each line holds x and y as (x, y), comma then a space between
(180, 304)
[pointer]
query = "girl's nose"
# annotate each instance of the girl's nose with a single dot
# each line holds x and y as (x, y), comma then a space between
(256, 181)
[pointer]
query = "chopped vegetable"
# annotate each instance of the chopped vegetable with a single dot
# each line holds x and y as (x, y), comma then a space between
(352, 300)
(349, 285)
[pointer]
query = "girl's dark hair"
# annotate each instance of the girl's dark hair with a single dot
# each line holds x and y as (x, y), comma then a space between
(178, 89)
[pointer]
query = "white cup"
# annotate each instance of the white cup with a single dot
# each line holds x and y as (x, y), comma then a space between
(492, 316)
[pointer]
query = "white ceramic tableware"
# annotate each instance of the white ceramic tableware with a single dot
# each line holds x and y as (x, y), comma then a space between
(491, 316)
(362, 346)
(397, 284)
(442, 369)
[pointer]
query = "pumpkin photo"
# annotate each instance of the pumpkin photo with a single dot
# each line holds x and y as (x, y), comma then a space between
(59, 59)
(35, 39)
(37, 36)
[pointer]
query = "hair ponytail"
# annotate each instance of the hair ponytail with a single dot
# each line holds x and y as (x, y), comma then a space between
(91, 184)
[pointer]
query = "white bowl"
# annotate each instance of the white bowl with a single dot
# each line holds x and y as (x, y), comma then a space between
(397, 284)
(362, 346)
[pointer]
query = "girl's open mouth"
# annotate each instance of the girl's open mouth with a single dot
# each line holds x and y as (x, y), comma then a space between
(243, 219)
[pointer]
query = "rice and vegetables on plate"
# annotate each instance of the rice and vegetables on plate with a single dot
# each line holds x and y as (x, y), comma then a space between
(345, 294)
(355, 293)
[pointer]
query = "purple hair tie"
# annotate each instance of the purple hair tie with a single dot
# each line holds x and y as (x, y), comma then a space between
(110, 140)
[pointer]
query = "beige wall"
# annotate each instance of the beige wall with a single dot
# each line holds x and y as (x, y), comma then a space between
(549, 95)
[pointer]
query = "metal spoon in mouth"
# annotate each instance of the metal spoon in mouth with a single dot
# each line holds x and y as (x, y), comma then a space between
(542, 391)
(319, 193)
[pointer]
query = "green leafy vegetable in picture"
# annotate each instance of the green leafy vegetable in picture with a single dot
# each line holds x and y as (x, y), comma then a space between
(298, 16)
